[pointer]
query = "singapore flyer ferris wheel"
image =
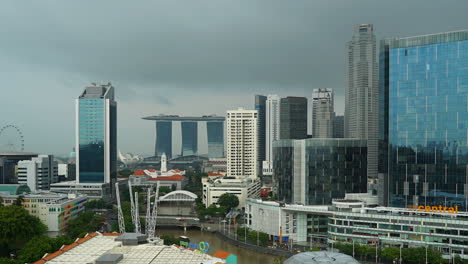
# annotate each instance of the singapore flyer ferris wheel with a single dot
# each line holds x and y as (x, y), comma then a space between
(11, 138)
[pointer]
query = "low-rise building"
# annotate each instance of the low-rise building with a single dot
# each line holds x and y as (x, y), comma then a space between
(92, 190)
(242, 188)
(53, 209)
(434, 227)
(170, 179)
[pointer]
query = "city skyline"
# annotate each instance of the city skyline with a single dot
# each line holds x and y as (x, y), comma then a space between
(154, 85)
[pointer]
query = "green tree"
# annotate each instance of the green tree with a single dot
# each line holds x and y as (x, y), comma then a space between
(98, 204)
(228, 200)
(35, 249)
(87, 222)
(170, 240)
(125, 173)
(10, 261)
(390, 254)
(164, 189)
(17, 226)
(19, 201)
(1, 201)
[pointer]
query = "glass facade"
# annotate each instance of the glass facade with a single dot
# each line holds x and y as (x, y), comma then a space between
(427, 119)
(315, 171)
(260, 106)
(189, 138)
(215, 132)
(91, 140)
(163, 138)
(293, 118)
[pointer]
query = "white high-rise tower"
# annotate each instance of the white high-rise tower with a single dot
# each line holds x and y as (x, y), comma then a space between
(272, 130)
(361, 110)
(242, 145)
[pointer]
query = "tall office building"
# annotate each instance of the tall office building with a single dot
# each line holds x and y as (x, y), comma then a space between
(293, 118)
(38, 173)
(272, 130)
(338, 127)
(163, 138)
(215, 132)
(323, 113)
(189, 126)
(315, 171)
(7, 171)
(189, 138)
(96, 135)
(242, 143)
(426, 80)
(361, 103)
(260, 106)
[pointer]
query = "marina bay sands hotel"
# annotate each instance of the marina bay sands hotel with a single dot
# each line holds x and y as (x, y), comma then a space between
(189, 128)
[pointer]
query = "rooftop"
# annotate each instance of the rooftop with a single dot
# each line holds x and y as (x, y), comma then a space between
(185, 118)
(99, 246)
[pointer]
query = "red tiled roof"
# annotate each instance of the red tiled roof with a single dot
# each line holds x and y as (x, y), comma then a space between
(41, 261)
(221, 254)
(151, 170)
(111, 234)
(176, 177)
(139, 173)
(68, 247)
(214, 174)
(50, 256)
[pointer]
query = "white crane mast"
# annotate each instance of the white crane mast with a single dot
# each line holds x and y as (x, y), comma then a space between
(137, 215)
(148, 210)
(132, 205)
(119, 210)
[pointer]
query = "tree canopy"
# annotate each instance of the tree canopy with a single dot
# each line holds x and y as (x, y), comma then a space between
(228, 200)
(85, 223)
(17, 225)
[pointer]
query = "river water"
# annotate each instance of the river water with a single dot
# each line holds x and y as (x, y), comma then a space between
(244, 256)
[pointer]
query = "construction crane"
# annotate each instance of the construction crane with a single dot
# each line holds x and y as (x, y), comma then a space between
(119, 210)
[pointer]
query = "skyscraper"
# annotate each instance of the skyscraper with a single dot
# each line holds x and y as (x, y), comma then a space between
(315, 171)
(189, 126)
(96, 135)
(361, 103)
(242, 143)
(215, 132)
(338, 127)
(163, 138)
(293, 118)
(426, 79)
(189, 138)
(260, 106)
(272, 129)
(323, 113)
(38, 173)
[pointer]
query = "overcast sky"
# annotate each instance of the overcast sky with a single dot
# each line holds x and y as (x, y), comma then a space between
(190, 57)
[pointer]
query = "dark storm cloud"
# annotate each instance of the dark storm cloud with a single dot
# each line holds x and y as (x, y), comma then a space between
(160, 52)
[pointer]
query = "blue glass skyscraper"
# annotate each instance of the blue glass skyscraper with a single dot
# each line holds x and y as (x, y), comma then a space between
(96, 127)
(424, 101)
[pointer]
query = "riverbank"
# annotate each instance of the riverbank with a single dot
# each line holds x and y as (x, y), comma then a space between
(245, 255)
(263, 250)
